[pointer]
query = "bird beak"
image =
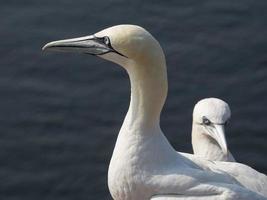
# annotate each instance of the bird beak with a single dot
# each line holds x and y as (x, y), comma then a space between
(218, 133)
(88, 44)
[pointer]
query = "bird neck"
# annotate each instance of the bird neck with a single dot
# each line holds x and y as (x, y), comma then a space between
(148, 93)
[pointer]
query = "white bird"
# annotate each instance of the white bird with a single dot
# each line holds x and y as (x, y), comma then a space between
(210, 116)
(144, 165)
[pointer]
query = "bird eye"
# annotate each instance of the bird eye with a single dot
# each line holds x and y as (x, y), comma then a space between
(206, 121)
(106, 40)
(226, 123)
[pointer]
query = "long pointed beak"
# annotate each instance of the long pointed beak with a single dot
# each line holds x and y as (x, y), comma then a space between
(88, 44)
(219, 136)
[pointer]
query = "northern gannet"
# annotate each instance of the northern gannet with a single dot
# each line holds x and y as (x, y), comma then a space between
(210, 116)
(144, 165)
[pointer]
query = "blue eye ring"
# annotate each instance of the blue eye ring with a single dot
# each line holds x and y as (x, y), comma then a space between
(206, 121)
(106, 40)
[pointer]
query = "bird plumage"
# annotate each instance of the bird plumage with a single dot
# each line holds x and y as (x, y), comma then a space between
(210, 117)
(143, 163)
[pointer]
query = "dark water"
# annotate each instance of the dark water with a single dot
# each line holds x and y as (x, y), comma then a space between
(60, 113)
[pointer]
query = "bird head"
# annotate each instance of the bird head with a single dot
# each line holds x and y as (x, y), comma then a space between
(211, 115)
(121, 44)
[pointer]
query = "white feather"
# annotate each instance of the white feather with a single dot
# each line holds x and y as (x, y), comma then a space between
(143, 163)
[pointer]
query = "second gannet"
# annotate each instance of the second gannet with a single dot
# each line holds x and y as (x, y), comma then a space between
(144, 165)
(210, 117)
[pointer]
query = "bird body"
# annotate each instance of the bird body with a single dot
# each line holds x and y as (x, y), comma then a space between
(144, 165)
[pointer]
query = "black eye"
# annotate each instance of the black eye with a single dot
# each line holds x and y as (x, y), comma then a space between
(106, 40)
(206, 121)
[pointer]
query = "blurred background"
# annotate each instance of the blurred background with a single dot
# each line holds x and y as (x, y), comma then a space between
(60, 113)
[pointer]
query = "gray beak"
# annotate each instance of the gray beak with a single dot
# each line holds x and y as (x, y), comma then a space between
(217, 132)
(88, 44)
(219, 135)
